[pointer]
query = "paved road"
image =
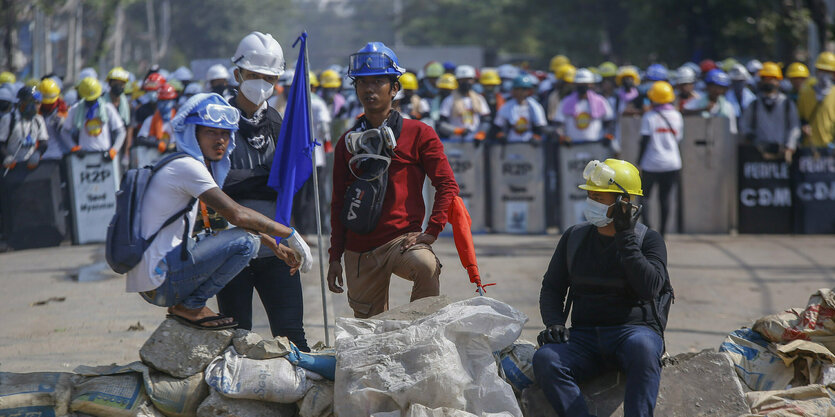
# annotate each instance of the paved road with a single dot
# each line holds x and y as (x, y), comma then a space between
(721, 283)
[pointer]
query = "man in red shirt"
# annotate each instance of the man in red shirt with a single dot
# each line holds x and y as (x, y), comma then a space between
(396, 245)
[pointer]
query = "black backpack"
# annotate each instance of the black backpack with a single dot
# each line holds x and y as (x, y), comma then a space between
(125, 245)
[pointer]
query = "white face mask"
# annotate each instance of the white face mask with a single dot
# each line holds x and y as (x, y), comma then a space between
(257, 91)
(596, 213)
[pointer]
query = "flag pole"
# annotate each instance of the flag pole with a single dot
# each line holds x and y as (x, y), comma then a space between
(316, 194)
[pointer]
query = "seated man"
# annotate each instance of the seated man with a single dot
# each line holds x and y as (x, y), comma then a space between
(175, 271)
(615, 275)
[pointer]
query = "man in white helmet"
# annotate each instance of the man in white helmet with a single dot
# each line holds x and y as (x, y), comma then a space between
(584, 115)
(259, 63)
(218, 79)
(462, 111)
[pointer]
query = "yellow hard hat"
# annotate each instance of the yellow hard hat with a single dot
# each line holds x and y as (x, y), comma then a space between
(89, 89)
(489, 77)
(627, 71)
(447, 81)
(797, 70)
(330, 79)
(7, 77)
(408, 81)
(314, 82)
(770, 69)
(610, 175)
(607, 69)
(661, 92)
(558, 61)
(566, 73)
(825, 61)
(118, 74)
(49, 90)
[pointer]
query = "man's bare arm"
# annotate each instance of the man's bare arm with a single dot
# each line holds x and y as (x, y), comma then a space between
(242, 216)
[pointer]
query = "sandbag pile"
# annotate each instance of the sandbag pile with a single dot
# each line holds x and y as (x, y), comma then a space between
(787, 360)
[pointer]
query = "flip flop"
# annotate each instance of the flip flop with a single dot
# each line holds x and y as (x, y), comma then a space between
(199, 324)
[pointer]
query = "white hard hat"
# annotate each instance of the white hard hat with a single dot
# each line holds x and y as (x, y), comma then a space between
(217, 72)
(753, 66)
(508, 72)
(287, 77)
(183, 74)
(738, 73)
(87, 72)
(685, 75)
(464, 71)
(192, 89)
(583, 76)
(260, 53)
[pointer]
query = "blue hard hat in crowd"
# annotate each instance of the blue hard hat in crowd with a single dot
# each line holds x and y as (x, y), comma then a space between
(214, 111)
(656, 72)
(449, 66)
(718, 77)
(524, 80)
(374, 59)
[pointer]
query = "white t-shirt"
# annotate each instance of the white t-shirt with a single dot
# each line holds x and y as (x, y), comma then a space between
(171, 188)
(34, 129)
(662, 153)
(519, 119)
(470, 119)
(93, 136)
(583, 127)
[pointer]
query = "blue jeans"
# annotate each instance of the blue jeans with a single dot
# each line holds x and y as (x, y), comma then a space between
(636, 350)
(211, 262)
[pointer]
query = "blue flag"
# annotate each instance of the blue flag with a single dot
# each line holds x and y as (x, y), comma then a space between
(292, 162)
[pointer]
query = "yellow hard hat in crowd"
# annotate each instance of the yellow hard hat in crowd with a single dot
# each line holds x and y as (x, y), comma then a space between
(434, 69)
(727, 64)
(447, 82)
(490, 77)
(825, 61)
(607, 175)
(408, 81)
(314, 82)
(7, 77)
(558, 61)
(118, 74)
(566, 73)
(331, 79)
(771, 69)
(49, 90)
(627, 71)
(89, 89)
(608, 69)
(797, 70)
(661, 92)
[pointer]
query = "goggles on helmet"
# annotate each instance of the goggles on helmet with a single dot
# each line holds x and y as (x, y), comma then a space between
(216, 115)
(375, 61)
(261, 62)
(601, 175)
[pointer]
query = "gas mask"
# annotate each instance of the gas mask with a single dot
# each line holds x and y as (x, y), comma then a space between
(370, 149)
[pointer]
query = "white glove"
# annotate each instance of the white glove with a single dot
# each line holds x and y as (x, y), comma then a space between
(8, 160)
(302, 250)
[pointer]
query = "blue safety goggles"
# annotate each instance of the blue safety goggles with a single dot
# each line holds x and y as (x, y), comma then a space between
(371, 63)
(216, 115)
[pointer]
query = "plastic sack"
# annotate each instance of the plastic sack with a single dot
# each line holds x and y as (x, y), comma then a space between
(110, 396)
(815, 322)
(40, 393)
(417, 410)
(275, 380)
(442, 360)
(811, 400)
(757, 367)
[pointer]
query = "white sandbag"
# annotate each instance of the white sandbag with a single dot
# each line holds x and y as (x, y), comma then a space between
(275, 380)
(517, 365)
(417, 410)
(318, 402)
(441, 360)
(811, 400)
(110, 396)
(39, 393)
(757, 367)
(216, 405)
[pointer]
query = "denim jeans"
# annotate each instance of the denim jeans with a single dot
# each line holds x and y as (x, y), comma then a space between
(211, 263)
(635, 350)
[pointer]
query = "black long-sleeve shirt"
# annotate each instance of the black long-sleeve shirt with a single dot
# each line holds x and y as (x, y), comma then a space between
(643, 271)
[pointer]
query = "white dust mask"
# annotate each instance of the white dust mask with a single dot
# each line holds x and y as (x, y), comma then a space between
(257, 91)
(596, 213)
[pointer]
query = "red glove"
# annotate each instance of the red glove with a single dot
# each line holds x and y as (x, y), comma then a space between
(458, 131)
(161, 146)
(112, 153)
(480, 135)
(75, 148)
(609, 136)
(564, 139)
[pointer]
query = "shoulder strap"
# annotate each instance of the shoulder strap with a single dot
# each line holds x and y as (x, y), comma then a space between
(667, 122)
(166, 159)
(12, 123)
(640, 233)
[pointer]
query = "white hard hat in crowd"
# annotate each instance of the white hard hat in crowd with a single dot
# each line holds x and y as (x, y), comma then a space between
(183, 74)
(583, 76)
(685, 75)
(164, 73)
(217, 72)
(287, 77)
(261, 53)
(192, 89)
(464, 71)
(508, 72)
(87, 72)
(738, 73)
(754, 66)
(693, 66)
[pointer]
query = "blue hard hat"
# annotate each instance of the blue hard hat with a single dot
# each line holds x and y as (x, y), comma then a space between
(718, 77)
(656, 72)
(524, 80)
(374, 59)
(214, 111)
(449, 66)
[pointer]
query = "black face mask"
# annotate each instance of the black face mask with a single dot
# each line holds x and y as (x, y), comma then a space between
(767, 88)
(117, 90)
(219, 89)
(582, 90)
(628, 83)
(465, 88)
(28, 109)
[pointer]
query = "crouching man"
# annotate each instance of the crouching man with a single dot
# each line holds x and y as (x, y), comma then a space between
(176, 271)
(615, 274)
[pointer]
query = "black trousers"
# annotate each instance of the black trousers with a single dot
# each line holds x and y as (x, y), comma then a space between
(280, 292)
(666, 182)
